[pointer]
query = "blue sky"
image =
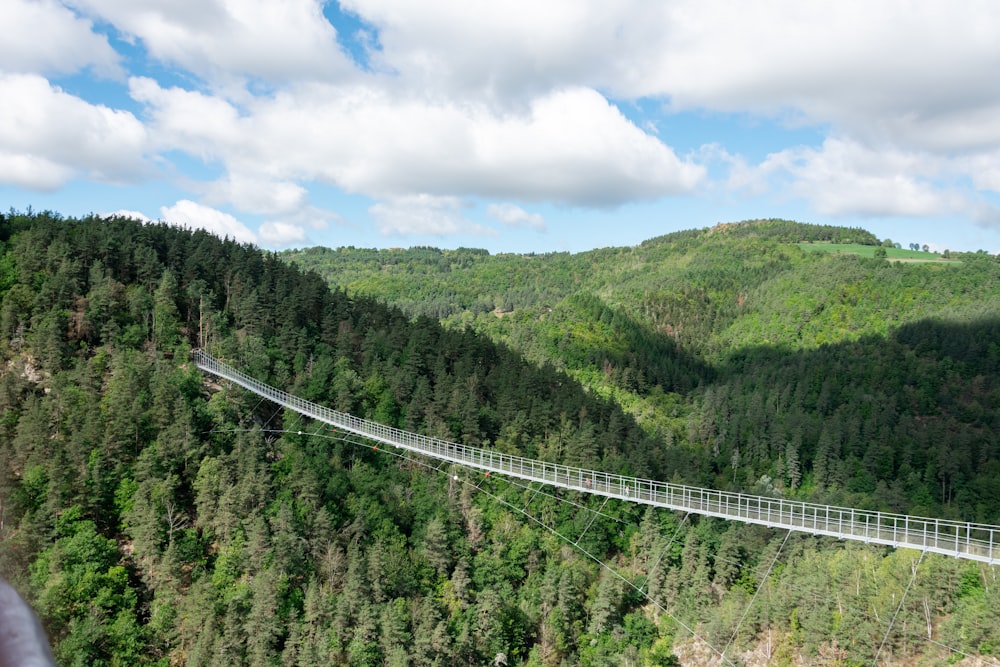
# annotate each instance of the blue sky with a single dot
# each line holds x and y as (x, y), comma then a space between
(516, 127)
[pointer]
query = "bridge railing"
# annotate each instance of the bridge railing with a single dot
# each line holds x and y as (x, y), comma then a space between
(973, 541)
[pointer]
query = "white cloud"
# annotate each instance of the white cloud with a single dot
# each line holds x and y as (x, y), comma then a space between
(515, 216)
(48, 136)
(293, 226)
(845, 177)
(225, 40)
(424, 215)
(202, 125)
(984, 170)
(919, 71)
(518, 115)
(41, 36)
(282, 233)
(571, 146)
(960, 130)
(506, 52)
(32, 171)
(575, 147)
(257, 195)
(189, 214)
(770, 54)
(985, 214)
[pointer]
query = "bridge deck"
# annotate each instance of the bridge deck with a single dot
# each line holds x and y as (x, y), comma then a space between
(980, 542)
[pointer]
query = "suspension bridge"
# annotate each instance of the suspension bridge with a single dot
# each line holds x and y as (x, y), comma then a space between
(961, 539)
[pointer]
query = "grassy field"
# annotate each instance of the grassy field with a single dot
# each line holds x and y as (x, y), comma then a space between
(898, 254)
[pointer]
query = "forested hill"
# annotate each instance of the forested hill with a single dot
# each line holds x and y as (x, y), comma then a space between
(835, 377)
(152, 516)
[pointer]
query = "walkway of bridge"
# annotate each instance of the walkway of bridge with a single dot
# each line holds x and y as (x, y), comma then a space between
(980, 542)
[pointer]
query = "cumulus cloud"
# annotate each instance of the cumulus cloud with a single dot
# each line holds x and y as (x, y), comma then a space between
(848, 63)
(282, 233)
(844, 177)
(515, 216)
(293, 227)
(435, 127)
(986, 214)
(575, 147)
(911, 78)
(200, 124)
(425, 215)
(914, 71)
(506, 52)
(223, 40)
(47, 136)
(984, 170)
(192, 215)
(257, 195)
(32, 171)
(571, 146)
(43, 36)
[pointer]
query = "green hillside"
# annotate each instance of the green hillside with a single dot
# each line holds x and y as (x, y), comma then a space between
(659, 327)
(152, 515)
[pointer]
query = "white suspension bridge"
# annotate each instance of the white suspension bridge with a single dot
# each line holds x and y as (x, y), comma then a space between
(961, 539)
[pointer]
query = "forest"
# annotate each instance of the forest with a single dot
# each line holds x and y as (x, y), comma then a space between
(153, 515)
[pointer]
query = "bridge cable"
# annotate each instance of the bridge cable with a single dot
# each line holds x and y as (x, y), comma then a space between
(522, 511)
(514, 482)
(947, 530)
(349, 438)
(864, 613)
(438, 467)
(592, 519)
(892, 622)
(613, 572)
(262, 399)
(784, 583)
(537, 491)
(534, 493)
(757, 592)
(663, 551)
(406, 457)
(273, 415)
(322, 425)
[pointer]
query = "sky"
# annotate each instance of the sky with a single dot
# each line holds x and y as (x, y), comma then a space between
(516, 126)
